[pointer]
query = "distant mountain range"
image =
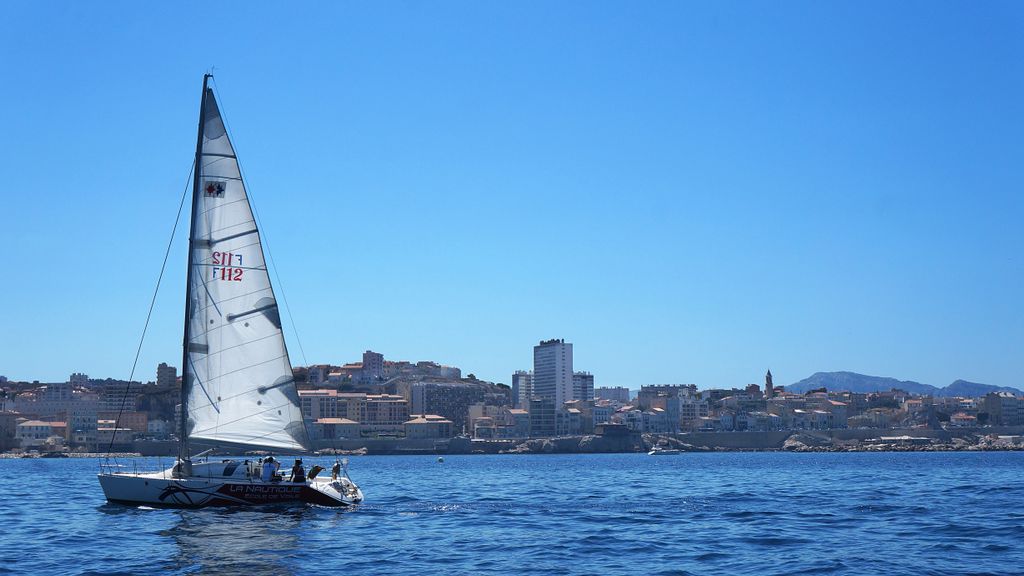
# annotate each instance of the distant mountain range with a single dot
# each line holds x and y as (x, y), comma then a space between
(853, 382)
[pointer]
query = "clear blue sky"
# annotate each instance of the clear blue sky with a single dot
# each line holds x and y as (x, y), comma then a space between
(688, 192)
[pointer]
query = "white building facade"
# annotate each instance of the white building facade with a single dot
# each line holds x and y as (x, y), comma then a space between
(552, 370)
(522, 388)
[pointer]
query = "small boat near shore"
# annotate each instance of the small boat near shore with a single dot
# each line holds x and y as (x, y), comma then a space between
(659, 451)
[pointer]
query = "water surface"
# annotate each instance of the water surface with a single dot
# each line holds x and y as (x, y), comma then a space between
(720, 513)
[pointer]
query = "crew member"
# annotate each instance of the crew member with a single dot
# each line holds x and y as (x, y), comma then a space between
(335, 470)
(269, 467)
(298, 472)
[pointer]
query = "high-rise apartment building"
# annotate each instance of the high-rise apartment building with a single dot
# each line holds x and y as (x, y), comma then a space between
(373, 366)
(166, 376)
(522, 388)
(582, 386)
(552, 370)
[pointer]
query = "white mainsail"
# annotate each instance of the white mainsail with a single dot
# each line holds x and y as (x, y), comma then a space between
(238, 378)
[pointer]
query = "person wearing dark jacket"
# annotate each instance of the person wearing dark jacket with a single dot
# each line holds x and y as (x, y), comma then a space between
(298, 472)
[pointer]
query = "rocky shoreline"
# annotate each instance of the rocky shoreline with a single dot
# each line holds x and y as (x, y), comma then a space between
(11, 455)
(978, 443)
(843, 440)
(793, 442)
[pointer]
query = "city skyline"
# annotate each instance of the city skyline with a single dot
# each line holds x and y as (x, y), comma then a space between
(686, 193)
(383, 371)
(385, 401)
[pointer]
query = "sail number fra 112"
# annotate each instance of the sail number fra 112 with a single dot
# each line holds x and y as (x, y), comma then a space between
(224, 266)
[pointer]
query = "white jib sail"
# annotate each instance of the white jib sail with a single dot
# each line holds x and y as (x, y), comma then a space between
(240, 388)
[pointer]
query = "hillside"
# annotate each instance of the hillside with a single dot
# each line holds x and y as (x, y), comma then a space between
(965, 388)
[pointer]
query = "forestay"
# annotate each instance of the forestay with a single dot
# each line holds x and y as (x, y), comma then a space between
(239, 387)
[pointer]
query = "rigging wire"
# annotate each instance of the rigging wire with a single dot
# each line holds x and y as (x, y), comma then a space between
(149, 314)
(259, 223)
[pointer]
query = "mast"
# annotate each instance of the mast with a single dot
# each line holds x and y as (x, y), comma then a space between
(183, 453)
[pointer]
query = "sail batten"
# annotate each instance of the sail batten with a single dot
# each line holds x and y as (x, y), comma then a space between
(239, 387)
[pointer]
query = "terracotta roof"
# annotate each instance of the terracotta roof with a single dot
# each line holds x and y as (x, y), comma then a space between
(335, 421)
(34, 423)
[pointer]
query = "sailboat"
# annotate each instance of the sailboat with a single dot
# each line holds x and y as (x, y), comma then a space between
(237, 388)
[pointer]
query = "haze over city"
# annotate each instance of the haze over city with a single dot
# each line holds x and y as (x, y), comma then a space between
(686, 197)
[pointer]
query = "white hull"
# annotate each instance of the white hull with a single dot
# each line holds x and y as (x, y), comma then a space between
(223, 484)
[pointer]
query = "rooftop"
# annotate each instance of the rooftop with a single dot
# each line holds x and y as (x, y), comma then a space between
(37, 423)
(429, 419)
(335, 421)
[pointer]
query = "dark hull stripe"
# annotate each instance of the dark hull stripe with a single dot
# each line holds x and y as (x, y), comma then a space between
(241, 495)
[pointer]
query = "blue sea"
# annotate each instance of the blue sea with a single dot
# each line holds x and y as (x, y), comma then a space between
(718, 513)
